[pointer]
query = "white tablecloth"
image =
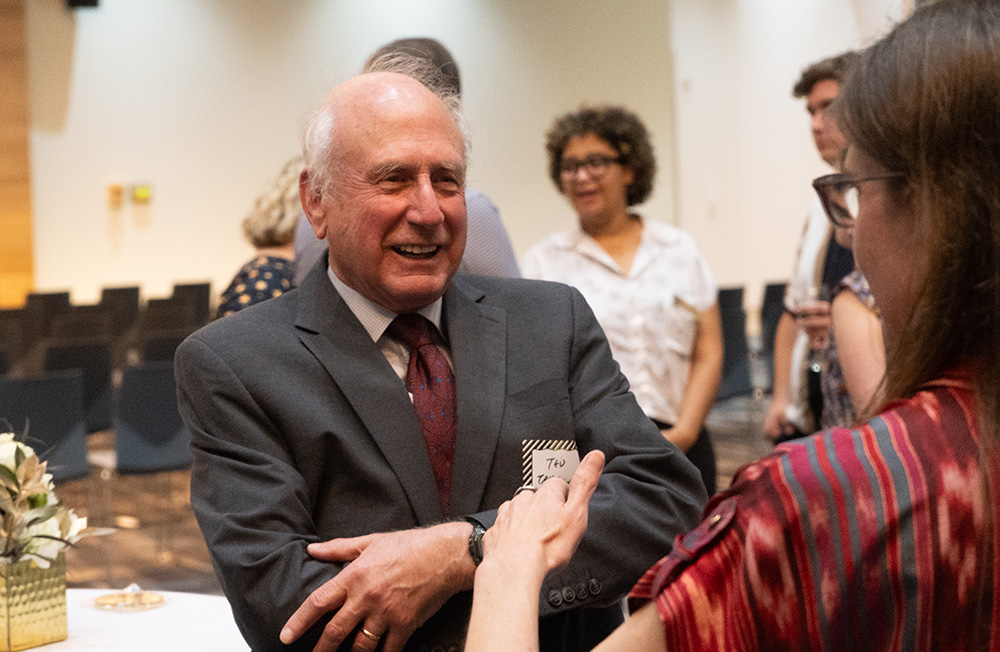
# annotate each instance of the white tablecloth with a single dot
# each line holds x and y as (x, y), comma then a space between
(187, 622)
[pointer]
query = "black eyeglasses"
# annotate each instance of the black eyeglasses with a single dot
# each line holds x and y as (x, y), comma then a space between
(595, 165)
(839, 195)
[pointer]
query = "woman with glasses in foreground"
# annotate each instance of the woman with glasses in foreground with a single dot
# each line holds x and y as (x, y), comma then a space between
(649, 287)
(885, 537)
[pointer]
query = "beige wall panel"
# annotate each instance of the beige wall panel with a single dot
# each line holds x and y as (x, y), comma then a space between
(16, 253)
(13, 288)
(13, 163)
(15, 198)
(12, 38)
(13, 80)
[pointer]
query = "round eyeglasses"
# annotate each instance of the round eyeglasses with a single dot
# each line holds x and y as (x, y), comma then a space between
(839, 195)
(596, 165)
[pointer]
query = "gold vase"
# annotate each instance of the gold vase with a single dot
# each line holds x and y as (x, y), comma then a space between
(32, 604)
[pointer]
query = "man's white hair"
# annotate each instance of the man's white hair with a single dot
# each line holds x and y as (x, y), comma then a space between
(317, 138)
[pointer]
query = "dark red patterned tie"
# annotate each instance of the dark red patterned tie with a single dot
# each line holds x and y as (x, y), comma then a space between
(430, 380)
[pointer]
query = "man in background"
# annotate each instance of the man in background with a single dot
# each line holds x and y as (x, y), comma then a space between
(819, 266)
(488, 250)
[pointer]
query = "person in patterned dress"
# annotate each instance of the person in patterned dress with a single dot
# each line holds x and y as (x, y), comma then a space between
(270, 228)
(854, 355)
(881, 537)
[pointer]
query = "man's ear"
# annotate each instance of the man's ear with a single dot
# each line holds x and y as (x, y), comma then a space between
(312, 204)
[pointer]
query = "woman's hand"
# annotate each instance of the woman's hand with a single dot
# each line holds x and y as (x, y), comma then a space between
(542, 528)
(535, 533)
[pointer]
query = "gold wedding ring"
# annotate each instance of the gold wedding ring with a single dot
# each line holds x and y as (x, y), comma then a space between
(373, 637)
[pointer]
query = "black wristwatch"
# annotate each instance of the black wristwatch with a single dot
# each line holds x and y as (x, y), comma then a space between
(476, 541)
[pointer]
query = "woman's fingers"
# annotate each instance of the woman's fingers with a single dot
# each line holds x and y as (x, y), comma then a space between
(585, 479)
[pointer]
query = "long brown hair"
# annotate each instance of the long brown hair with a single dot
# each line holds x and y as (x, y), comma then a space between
(925, 101)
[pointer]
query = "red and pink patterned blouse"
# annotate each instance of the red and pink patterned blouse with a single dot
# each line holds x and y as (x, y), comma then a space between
(878, 538)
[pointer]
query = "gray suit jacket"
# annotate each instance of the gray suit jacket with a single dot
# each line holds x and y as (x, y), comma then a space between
(303, 432)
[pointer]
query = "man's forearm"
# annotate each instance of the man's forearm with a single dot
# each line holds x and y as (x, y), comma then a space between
(393, 581)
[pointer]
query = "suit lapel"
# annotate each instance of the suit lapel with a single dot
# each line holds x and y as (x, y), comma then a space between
(477, 336)
(328, 328)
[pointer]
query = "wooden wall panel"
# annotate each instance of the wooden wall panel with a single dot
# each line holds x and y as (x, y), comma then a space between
(16, 249)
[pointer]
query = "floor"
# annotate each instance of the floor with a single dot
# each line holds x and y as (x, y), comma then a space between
(156, 542)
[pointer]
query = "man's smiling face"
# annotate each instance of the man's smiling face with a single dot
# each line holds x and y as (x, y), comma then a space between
(395, 215)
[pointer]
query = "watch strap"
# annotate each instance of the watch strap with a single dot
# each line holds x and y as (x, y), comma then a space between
(476, 541)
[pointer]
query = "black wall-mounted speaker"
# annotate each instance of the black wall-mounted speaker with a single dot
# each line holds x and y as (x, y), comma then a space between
(76, 4)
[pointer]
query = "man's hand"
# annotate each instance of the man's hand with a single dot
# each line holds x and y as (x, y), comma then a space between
(394, 582)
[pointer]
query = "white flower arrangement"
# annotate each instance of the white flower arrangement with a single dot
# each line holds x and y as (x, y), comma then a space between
(33, 523)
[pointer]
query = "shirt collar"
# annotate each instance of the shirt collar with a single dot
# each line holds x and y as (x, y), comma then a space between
(376, 318)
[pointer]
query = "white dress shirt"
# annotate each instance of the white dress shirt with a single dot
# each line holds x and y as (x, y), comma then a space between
(376, 320)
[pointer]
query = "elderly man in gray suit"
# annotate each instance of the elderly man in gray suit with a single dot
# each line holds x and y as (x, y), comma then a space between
(354, 437)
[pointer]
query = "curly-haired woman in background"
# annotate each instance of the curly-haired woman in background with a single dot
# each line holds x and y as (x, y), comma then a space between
(650, 288)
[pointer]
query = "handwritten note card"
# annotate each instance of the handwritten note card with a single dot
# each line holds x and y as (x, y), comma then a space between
(547, 464)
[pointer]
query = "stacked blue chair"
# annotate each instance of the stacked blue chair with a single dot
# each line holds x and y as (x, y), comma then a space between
(50, 409)
(771, 309)
(736, 352)
(92, 357)
(150, 439)
(149, 433)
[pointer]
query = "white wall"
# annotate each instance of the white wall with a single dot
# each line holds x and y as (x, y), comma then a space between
(203, 99)
(745, 156)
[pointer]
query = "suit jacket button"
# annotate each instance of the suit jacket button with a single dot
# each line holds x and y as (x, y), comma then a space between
(594, 586)
(568, 594)
(555, 598)
(581, 590)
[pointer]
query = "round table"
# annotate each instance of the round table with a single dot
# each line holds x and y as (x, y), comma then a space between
(186, 621)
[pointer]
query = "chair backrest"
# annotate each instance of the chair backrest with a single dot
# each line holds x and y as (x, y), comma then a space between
(40, 309)
(52, 408)
(93, 357)
(12, 341)
(160, 346)
(167, 314)
(771, 309)
(123, 304)
(149, 433)
(196, 295)
(82, 321)
(736, 353)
